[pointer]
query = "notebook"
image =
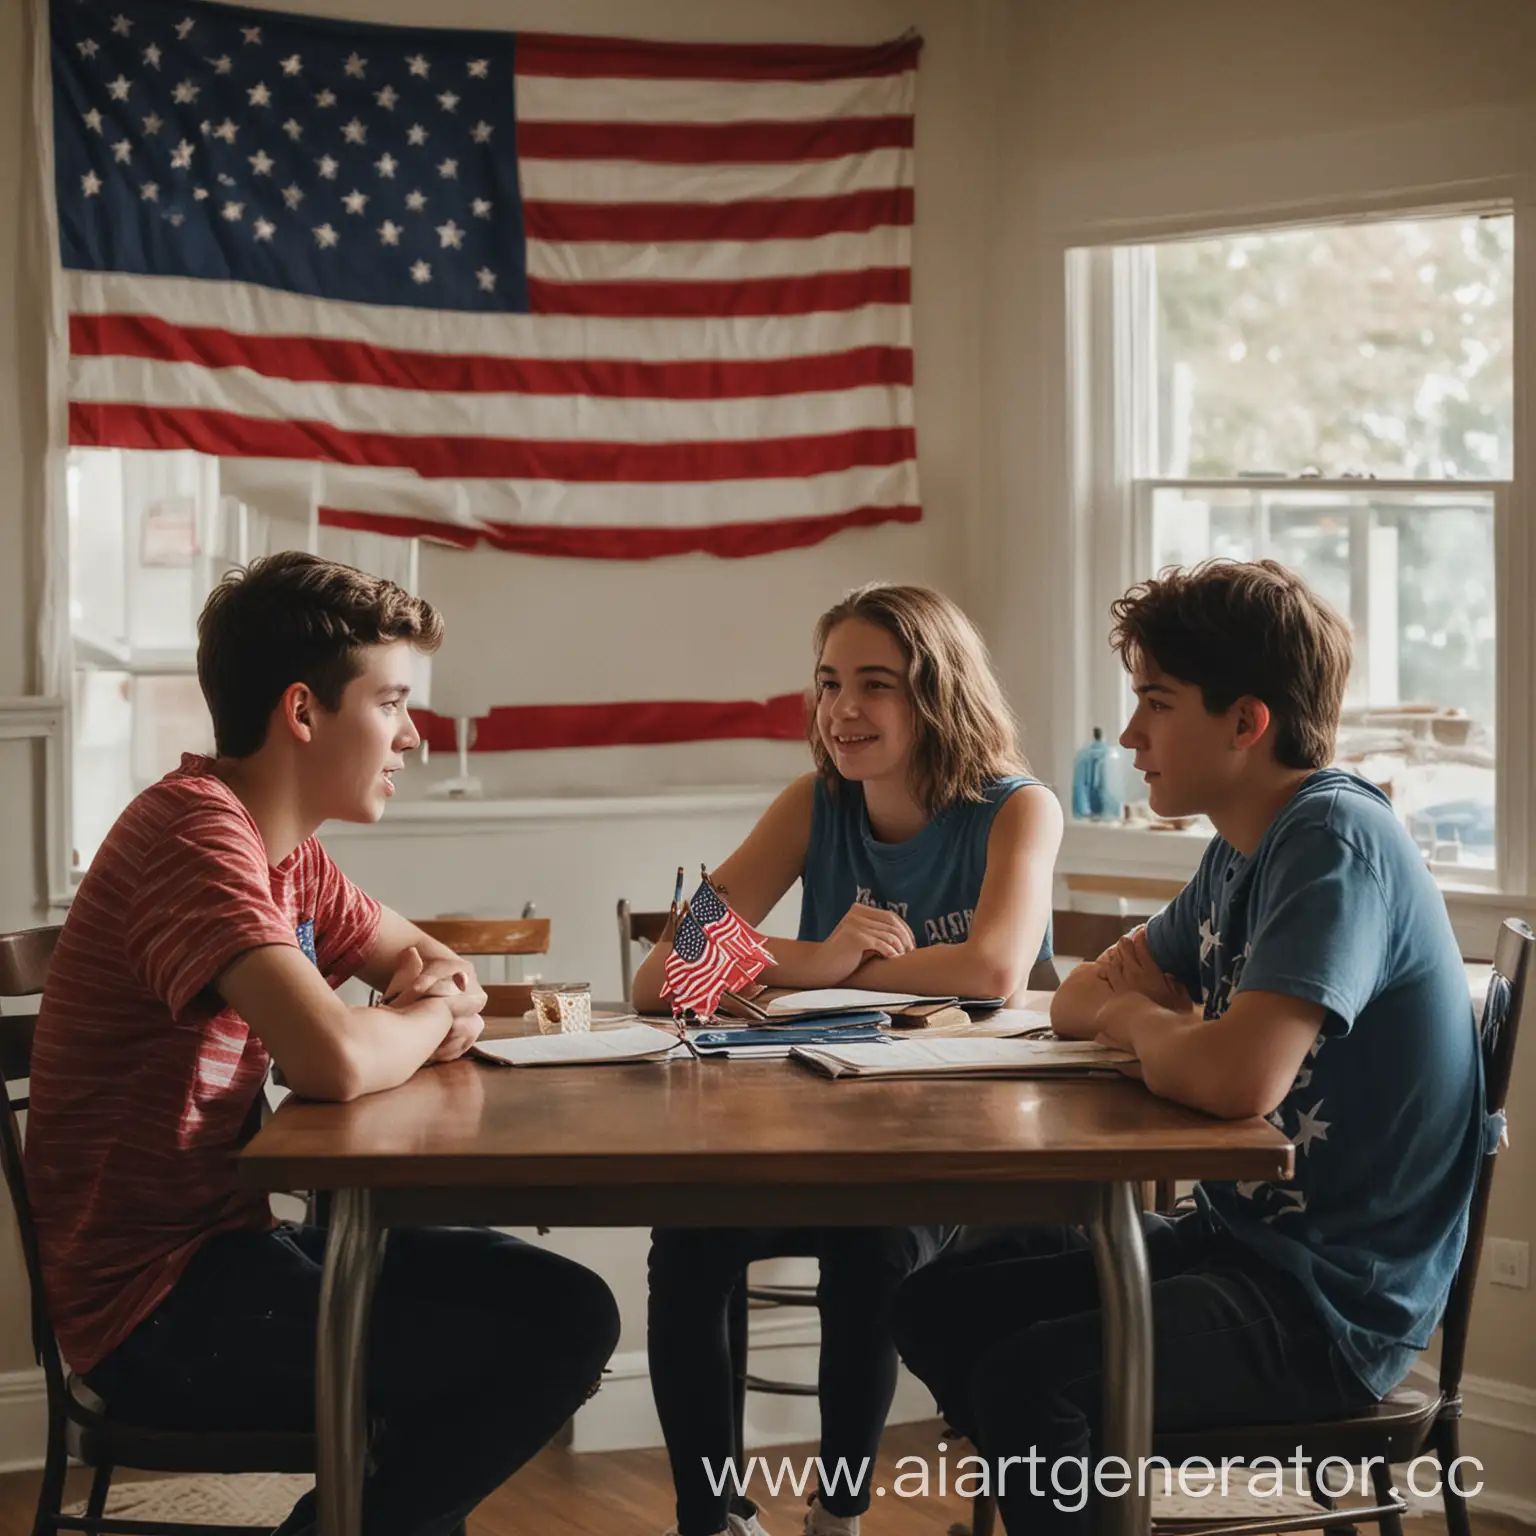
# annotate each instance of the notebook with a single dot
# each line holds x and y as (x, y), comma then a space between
(636, 1042)
(908, 1010)
(960, 1057)
(779, 1041)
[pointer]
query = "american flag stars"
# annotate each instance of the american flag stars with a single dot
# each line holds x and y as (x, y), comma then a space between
(271, 114)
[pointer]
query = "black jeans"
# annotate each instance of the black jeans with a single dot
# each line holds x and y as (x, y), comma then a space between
(693, 1273)
(1008, 1339)
(480, 1348)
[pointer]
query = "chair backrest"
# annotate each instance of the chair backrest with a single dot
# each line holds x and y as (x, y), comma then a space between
(24, 961)
(1497, 1032)
(489, 935)
(636, 927)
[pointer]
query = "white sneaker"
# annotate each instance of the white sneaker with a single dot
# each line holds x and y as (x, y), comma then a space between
(735, 1525)
(821, 1522)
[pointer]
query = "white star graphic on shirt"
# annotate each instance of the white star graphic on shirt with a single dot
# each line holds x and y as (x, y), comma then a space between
(325, 236)
(355, 201)
(93, 120)
(262, 163)
(293, 128)
(265, 229)
(448, 101)
(252, 35)
(415, 201)
(449, 170)
(152, 56)
(1309, 1128)
(293, 195)
(222, 65)
(328, 167)
(418, 65)
(355, 132)
(479, 69)
(482, 207)
(184, 28)
(325, 98)
(389, 232)
(200, 194)
(90, 183)
(421, 272)
(487, 280)
(122, 26)
(118, 89)
(177, 218)
(226, 131)
(259, 94)
(153, 124)
(122, 151)
(149, 192)
(1209, 937)
(416, 134)
(234, 212)
(89, 48)
(355, 65)
(1297, 1207)
(186, 92)
(386, 166)
(292, 64)
(387, 98)
(481, 133)
(450, 234)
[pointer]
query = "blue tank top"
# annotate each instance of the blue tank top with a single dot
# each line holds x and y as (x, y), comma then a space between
(932, 880)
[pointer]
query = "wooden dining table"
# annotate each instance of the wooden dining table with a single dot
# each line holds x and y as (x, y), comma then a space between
(688, 1142)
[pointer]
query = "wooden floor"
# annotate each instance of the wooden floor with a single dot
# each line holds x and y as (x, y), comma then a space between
(629, 1493)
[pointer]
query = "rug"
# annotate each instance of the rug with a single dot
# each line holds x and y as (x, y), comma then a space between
(257, 1499)
(264, 1499)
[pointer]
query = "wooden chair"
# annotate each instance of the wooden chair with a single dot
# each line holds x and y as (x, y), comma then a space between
(79, 1423)
(636, 928)
(1407, 1422)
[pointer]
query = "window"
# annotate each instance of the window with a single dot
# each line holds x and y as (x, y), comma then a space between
(1338, 398)
(150, 535)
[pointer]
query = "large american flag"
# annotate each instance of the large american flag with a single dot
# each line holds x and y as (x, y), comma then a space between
(566, 295)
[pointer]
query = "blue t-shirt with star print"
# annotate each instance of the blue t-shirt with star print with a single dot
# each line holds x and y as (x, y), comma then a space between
(1336, 906)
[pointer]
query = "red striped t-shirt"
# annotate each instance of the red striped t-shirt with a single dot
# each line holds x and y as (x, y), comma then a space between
(143, 1080)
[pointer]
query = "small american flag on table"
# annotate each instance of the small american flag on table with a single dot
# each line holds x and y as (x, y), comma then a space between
(713, 951)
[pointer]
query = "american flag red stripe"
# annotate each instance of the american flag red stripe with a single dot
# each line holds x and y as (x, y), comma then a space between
(718, 335)
(530, 727)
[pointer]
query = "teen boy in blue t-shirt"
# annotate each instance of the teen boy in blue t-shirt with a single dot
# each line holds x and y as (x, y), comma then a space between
(1308, 974)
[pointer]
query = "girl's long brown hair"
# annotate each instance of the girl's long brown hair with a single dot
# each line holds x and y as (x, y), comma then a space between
(966, 735)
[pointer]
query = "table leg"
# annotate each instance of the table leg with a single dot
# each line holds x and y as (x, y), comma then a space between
(1120, 1257)
(353, 1247)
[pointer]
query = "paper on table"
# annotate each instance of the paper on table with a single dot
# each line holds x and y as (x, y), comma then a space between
(830, 999)
(916, 1057)
(637, 1042)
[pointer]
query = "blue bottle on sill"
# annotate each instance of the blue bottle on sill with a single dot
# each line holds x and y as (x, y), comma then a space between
(1097, 786)
(1088, 778)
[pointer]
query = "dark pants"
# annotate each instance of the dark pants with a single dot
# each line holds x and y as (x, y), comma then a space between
(693, 1273)
(480, 1348)
(1009, 1340)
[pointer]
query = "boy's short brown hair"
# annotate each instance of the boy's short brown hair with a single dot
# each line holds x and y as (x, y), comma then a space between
(295, 618)
(1234, 628)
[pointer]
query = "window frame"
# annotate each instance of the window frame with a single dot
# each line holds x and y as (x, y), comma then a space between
(1102, 450)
